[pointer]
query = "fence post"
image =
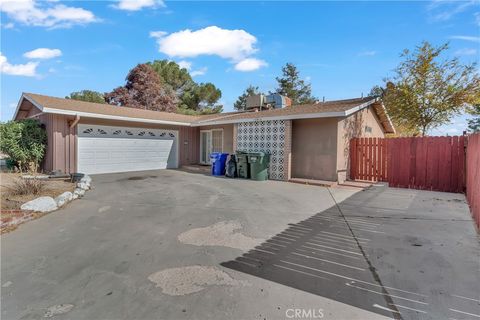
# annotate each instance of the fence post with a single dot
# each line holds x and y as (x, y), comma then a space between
(353, 158)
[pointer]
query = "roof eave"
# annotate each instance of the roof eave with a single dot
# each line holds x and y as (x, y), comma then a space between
(285, 117)
(313, 115)
(391, 127)
(112, 117)
(26, 97)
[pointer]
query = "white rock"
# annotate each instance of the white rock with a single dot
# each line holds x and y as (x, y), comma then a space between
(42, 204)
(64, 198)
(86, 179)
(79, 192)
(74, 196)
(83, 185)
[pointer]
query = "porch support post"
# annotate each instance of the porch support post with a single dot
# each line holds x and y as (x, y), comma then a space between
(235, 129)
(288, 150)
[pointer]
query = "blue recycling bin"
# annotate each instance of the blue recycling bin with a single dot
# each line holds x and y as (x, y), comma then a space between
(218, 160)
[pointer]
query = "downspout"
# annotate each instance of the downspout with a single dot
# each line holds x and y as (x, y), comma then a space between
(74, 122)
(72, 125)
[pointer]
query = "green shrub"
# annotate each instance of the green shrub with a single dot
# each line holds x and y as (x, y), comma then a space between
(24, 141)
(11, 164)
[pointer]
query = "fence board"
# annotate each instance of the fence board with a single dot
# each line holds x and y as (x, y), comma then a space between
(473, 175)
(431, 163)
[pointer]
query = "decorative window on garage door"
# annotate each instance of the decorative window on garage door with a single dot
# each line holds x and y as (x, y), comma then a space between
(265, 136)
(123, 132)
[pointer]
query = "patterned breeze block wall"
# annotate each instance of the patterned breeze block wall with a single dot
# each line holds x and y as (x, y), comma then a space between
(265, 136)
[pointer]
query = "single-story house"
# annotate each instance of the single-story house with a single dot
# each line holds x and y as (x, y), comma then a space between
(304, 141)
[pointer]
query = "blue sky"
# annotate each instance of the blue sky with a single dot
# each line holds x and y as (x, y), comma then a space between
(341, 48)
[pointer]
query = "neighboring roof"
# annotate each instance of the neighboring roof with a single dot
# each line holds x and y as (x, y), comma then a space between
(338, 108)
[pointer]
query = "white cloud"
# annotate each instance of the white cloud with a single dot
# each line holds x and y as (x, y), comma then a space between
(457, 125)
(466, 38)
(46, 13)
(185, 64)
(367, 53)
(237, 46)
(227, 44)
(157, 34)
(466, 52)
(250, 64)
(136, 5)
(442, 10)
(199, 72)
(9, 25)
(43, 53)
(477, 18)
(27, 70)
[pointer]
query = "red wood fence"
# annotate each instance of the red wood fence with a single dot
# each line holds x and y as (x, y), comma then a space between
(430, 163)
(473, 176)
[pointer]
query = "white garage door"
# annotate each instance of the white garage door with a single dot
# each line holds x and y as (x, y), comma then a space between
(105, 149)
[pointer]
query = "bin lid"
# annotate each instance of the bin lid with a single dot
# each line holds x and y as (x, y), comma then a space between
(256, 154)
(215, 154)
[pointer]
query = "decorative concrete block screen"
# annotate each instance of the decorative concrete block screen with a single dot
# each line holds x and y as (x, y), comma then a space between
(265, 136)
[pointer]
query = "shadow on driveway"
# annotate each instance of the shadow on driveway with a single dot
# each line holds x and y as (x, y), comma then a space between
(361, 254)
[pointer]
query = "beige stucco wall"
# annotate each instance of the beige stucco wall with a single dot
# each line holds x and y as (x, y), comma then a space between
(227, 136)
(351, 127)
(314, 148)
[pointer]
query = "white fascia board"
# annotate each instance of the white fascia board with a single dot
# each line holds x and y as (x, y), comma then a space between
(360, 107)
(388, 118)
(20, 103)
(286, 117)
(110, 117)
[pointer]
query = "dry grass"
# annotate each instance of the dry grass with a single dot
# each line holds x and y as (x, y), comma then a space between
(9, 201)
(22, 187)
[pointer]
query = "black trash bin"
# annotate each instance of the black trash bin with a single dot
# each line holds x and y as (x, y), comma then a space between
(231, 170)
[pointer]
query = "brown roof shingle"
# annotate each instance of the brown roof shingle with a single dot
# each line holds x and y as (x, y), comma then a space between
(106, 109)
(134, 113)
(322, 107)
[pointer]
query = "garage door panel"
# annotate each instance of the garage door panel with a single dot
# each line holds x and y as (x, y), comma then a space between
(103, 149)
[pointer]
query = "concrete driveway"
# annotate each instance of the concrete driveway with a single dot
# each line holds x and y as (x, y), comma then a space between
(176, 245)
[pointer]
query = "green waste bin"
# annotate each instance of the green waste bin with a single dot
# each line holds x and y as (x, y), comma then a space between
(242, 165)
(258, 162)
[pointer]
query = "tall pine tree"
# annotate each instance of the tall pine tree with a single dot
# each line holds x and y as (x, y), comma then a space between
(292, 86)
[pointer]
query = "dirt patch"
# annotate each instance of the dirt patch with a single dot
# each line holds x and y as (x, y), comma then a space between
(137, 178)
(223, 233)
(185, 280)
(57, 310)
(52, 189)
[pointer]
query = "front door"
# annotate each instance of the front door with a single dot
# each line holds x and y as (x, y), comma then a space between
(210, 141)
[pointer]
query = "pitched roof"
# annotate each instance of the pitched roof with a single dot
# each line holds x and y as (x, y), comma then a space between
(76, 106)
(337, 108)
